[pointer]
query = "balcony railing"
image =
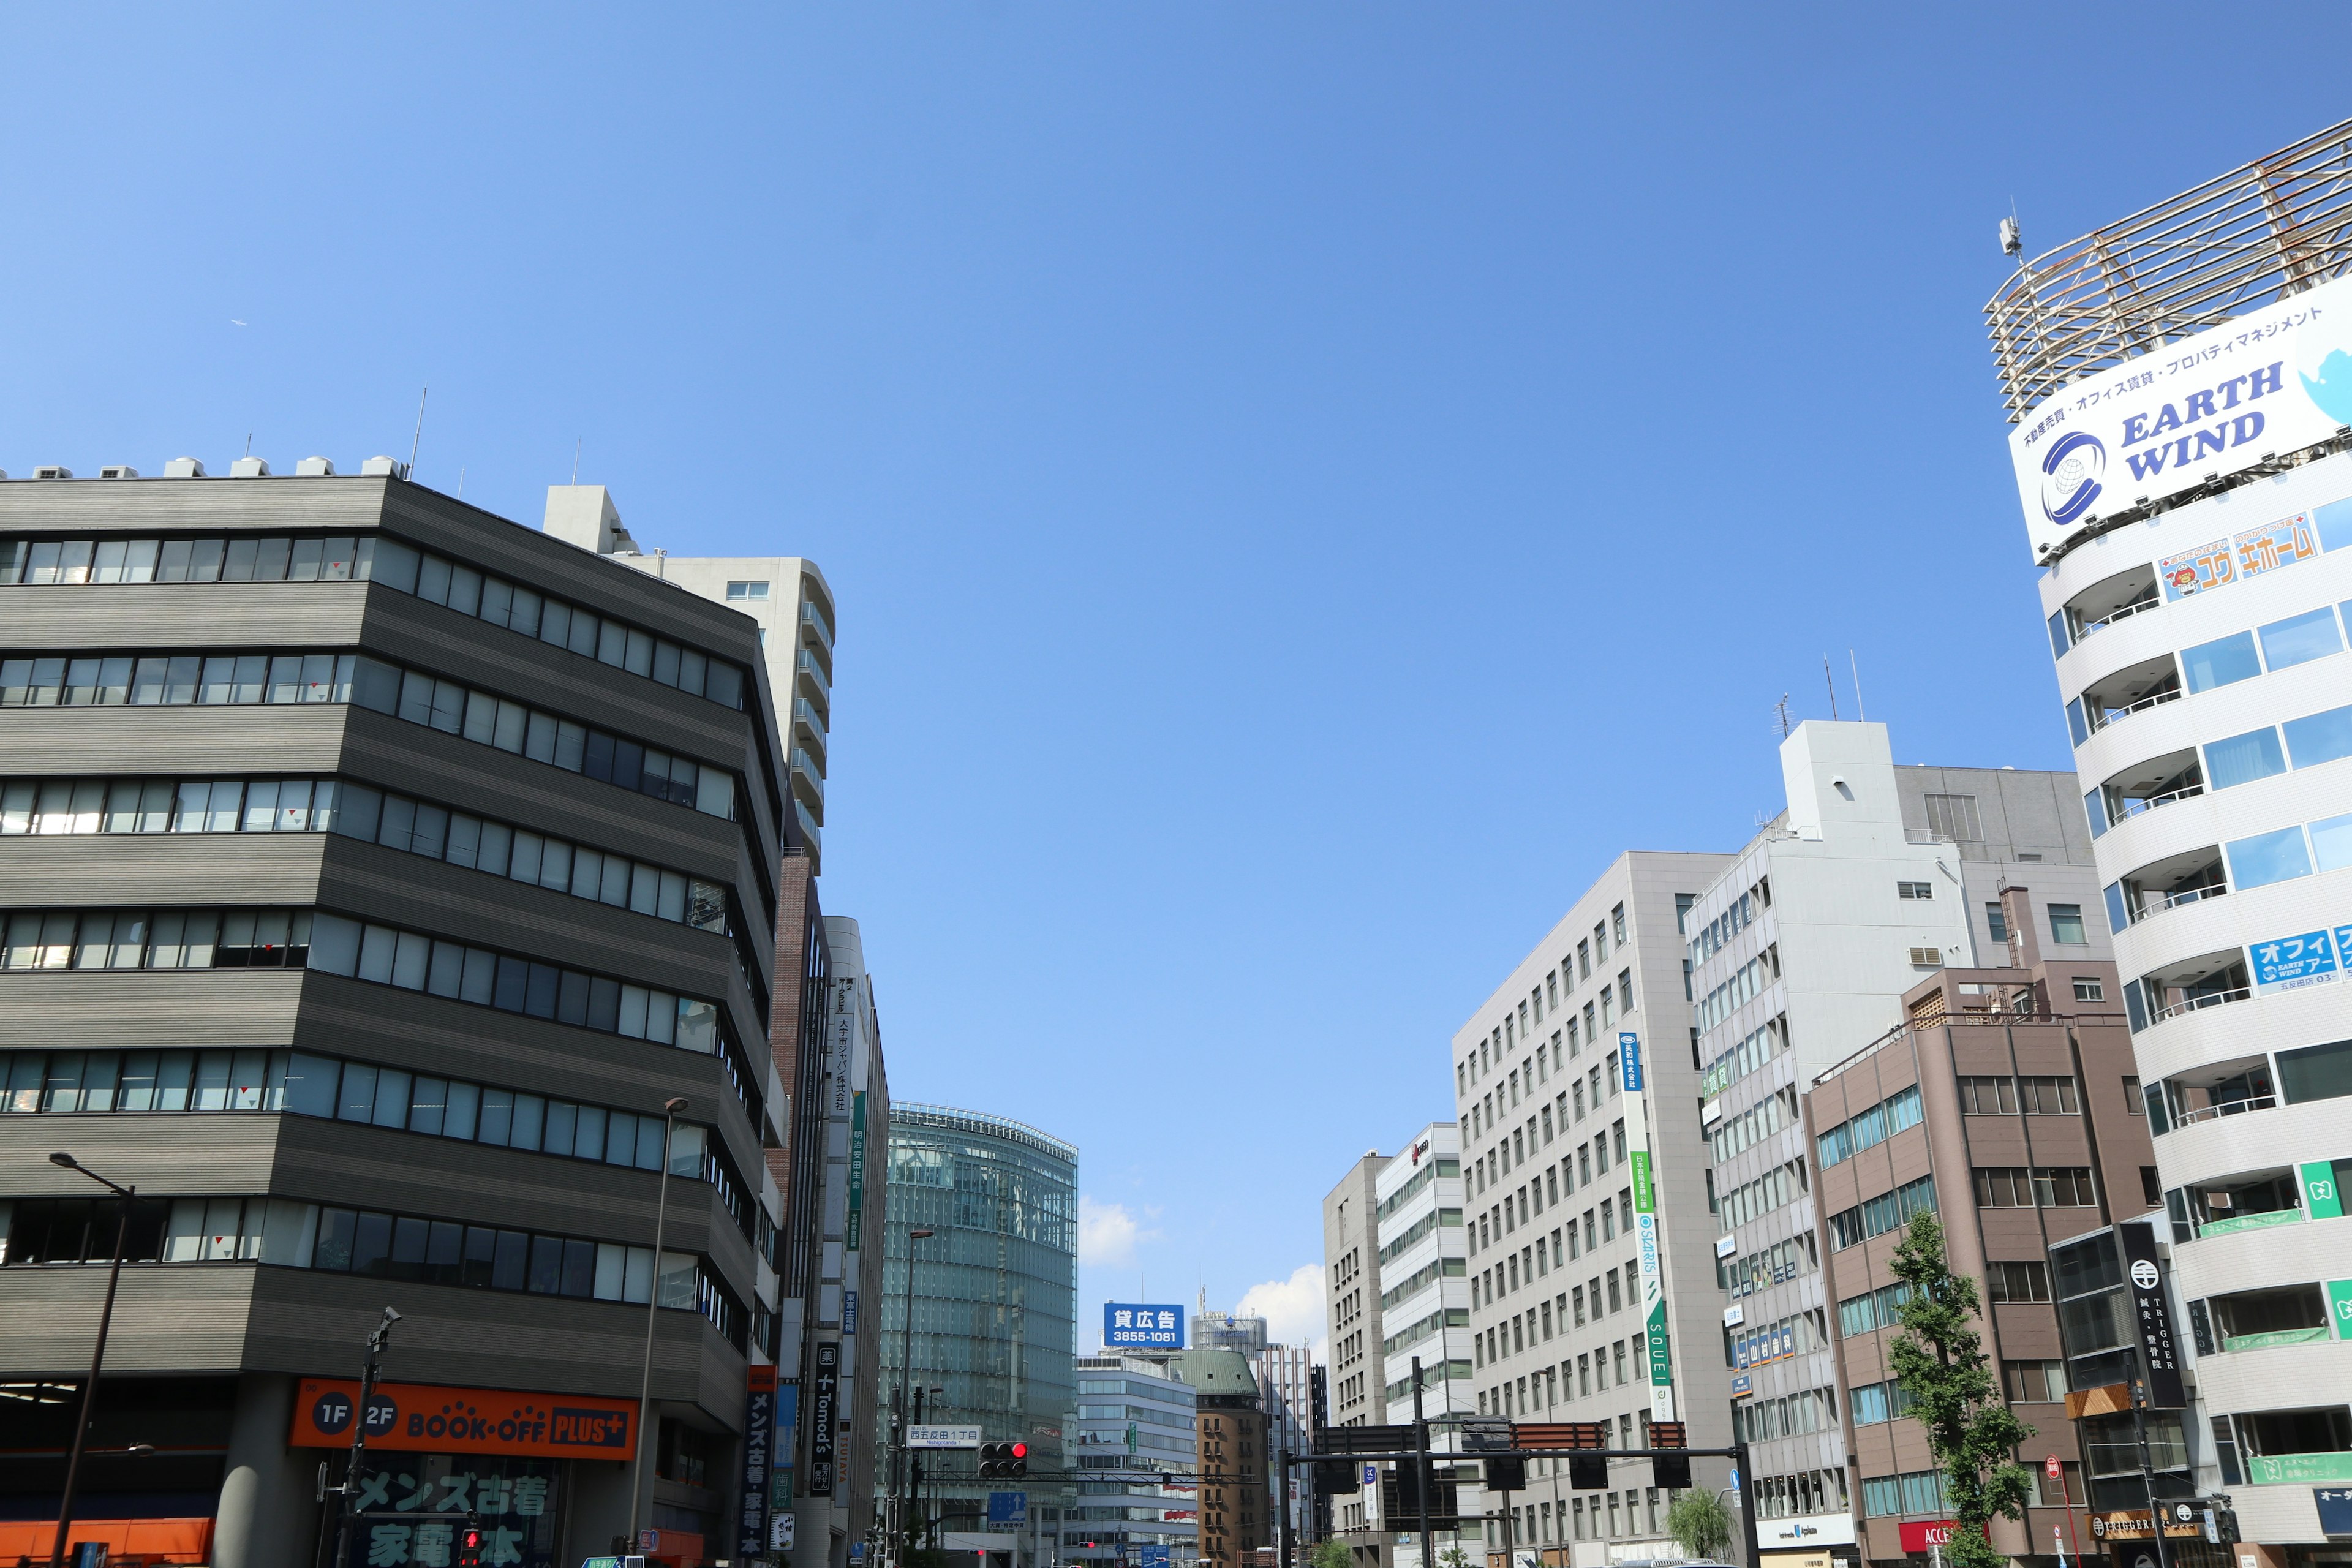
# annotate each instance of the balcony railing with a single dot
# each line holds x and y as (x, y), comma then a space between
(2156, 903)
(2194, 1003)
(814, 678)
(2111, 617)
(2098, 719)
(2126, 809)
(2226, 1108)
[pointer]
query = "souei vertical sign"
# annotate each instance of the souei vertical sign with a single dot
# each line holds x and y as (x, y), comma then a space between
(821, 1399)
(1646, 1227)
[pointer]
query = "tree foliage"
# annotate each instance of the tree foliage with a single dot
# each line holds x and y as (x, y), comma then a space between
(1332, 1552)
(1700, 1525)
(1939, 1360)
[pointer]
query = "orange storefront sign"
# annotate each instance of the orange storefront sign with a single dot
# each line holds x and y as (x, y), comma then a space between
(422, 1417)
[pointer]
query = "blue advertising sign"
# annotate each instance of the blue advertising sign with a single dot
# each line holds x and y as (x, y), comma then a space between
(2290, 963)
(1628, 1052)
(1137, 1324)
(2334, 1510)
(1008, 1508)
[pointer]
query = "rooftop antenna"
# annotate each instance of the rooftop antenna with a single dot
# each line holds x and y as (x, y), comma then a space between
(1781, 707)
(1856, 665)
(575, 457)
(1832, 684)
(418, 439)
(248, 443)
(461, 481)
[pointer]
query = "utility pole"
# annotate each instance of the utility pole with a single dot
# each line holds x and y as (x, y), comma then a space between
(1748, 1507)
(1284, 1534)
(344, 1510)
(1422, 1473)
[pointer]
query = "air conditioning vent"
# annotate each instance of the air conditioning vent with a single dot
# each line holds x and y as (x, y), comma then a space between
(249, 468)
(314, 468)
(52, 471)
(185, 469)
(118, 472)
(1927, 958)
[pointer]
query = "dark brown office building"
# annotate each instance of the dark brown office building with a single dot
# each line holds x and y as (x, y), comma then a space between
(373, 871)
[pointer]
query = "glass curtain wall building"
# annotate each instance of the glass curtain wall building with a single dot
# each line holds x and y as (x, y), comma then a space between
(2182, 440)
(994, 1293)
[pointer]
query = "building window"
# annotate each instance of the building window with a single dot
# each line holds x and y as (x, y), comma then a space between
(2088, 988)
(752, 591)
(2017, 1282)
(1915, 890)
(2067, 925)
(1996, 923)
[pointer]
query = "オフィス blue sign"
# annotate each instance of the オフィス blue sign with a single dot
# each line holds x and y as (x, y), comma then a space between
(1155, 1326)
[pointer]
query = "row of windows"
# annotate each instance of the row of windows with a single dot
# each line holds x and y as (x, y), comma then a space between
(2005, 1282)
(1426, 1327)
(1790, 1336)
(1435, 1270)
(2224, 662)
(298, 939)
(1789, 1416)
(1893, 1114)
(1755, 1124)
(1751, 1201)
(1913, 1492)
(1743, 912)
(295, 1235)
(1760, 1046)
(2259, 754)
(1876, 1217)
(2281, 854)
(1418, 1229)
(2030, 1094)
(343, 558)
(1775, 1265)
(99, 680)
(1444, 1165)
(2040, 1186)
(1874, 1403)
(1746, 983)
(51, 806)
(1526, 1020)
(306, 1084)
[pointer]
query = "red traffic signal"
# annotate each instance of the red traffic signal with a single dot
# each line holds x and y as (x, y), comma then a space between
(1020, 1451)
(469, 1547)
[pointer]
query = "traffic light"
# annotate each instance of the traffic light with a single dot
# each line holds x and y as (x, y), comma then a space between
(469, 1545)
(1669, 1472)
(1017, 1462)
(1004, 1461)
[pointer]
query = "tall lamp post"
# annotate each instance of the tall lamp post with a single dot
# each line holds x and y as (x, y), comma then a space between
(906, 1407)
(96, 1356)
(670, 1109)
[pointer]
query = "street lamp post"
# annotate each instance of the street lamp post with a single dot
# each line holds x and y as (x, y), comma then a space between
(905, 1411)
(345, 1507)
(96, 1356)
(670, 1109)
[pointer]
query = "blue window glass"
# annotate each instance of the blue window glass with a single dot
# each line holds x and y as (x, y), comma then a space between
(2321, 738)
(2221, 662)
(2241, 759)
(2268, 857)
(2298, 640)
(2333, 524)
(2331, 843)
(2074, 724)
(2094, 806)
(2058, 633)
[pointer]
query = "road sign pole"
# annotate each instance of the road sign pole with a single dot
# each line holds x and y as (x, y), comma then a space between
(1747, 1506)
(1421, 1466)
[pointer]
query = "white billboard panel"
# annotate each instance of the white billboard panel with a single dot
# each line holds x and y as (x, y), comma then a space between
(2260, 384)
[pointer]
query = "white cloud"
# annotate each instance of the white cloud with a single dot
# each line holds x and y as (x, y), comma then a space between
(1292, 1307)
(1107, 1234)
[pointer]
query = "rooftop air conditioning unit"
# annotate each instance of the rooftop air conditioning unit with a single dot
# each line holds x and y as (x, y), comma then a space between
(185, 469)
(250, 468)
(1927, 958)
(118, 472)
(314, 468)
(52, 471)
(380, 465)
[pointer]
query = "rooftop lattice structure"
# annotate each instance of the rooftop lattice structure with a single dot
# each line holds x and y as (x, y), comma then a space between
(2275, 227)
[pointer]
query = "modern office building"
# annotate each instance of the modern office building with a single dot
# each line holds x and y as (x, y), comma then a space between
(1132, 1449)
(841, 1313)
(1230, 1456)
(2176, 385)
(1351, 1300)
(1873, 878)
(993, 1290)
(1425, 1316)
(1285, 1376)
(785, 596)
(1591, 1240)
(2007, 1103)
(388, 867)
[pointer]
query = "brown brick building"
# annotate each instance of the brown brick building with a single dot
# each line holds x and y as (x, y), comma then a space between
(2008, 1103)
(1231, 1455)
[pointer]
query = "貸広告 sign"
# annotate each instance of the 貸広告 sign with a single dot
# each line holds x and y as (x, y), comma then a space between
(2270, 382)
(420, 1417)
(1151, 1324)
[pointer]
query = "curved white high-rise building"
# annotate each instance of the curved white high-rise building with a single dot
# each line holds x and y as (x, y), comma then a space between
(2181, 387)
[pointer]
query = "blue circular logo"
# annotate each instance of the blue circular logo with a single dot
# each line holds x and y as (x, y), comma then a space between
(2071, 475)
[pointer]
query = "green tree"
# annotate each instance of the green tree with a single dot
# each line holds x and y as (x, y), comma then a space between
(1332, 1552)
(1700, 1525)
(1939, 1360)
(1454, 1557)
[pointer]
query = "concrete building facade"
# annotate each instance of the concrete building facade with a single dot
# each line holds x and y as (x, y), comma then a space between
(383, 912)
(1577, 1062)
(1229, 1457)
(1133, 1447)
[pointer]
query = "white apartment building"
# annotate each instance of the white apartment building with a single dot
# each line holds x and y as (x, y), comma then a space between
(1590, 1240)
(785, 594)
(1425, 1306)
(2196, 588)
(1798, 955)
(1133, 1445)
(1351, 1306)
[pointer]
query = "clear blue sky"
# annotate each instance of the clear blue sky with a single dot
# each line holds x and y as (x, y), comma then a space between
(1305, 484)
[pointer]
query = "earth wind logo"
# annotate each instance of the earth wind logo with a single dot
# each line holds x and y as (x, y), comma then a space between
(2071, 476)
